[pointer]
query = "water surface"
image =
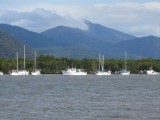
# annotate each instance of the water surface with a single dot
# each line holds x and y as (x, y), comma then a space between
(58, 97)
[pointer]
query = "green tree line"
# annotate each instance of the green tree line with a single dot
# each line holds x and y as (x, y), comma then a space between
(51, 65)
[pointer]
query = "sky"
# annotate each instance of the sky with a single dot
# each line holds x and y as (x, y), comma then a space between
(136, 17)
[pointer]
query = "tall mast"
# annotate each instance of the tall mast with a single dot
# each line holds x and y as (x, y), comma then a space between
(99, 62)
(17, 61)
(125, 60)
(24, 58)
(102, 63)
(35, 61)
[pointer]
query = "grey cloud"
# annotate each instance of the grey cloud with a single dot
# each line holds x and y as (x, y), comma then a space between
(39, 20)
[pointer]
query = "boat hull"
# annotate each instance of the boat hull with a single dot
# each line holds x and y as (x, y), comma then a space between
(1, 73)
(17, 73)
(73, 71)
(124, 72)
(36, 73)
(103, 73)
(151, 72)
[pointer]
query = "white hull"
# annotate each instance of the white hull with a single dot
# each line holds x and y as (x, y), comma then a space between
(1, 73)
(20, 72)
(73, 71)
(124, 72)
(17, 73)
(37, 72)
(103, 73)
(151, 72)
(66, 73)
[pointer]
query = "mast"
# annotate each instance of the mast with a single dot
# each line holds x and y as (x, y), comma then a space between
(17, 61)
(99, 62)
(102, 63)
(125, 60)
(24, 58)
(35, 61)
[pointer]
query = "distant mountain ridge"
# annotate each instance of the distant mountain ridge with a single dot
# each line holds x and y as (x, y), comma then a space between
(10, 45)
(148, 46)
(106, 34)
(32, 39)
(63, 41)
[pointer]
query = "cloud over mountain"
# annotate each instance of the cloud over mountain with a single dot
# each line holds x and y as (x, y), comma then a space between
(40, 19)
(136, 18)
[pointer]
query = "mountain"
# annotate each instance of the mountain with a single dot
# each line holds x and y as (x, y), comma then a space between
(67, 36)
(70, 42)
(96, 39)
(32, 39)
(148, 46)
(95, 36)
(10, 45)
(102, 33)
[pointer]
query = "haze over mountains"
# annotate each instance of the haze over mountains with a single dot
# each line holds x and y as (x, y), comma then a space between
(70, 42)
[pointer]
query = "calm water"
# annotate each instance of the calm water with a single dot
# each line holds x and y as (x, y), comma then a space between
(57, 97)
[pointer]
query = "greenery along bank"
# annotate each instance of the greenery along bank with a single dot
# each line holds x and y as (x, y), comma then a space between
(51, 65)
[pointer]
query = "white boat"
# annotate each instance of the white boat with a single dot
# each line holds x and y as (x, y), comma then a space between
(74, 71)
(103, 73)
(35, 71)
(101, 67)
(125, 71)
(1, 73)
(20, 72)
(151, 72)
(15, 72)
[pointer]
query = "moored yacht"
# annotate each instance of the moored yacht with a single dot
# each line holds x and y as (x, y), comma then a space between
(151, 72)
(20, 72)
(1, 73)
(125, 71)
(101, 67)
(74, 71)
(15, 72)
(103, 73)
(35, 71)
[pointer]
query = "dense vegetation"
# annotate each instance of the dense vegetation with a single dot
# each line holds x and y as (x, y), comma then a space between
(51, 65)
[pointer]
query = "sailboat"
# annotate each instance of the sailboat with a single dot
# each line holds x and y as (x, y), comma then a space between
(35, 71)
(20, 72)
(1, 73)
(15, 72)
(125, 71)
(74, 71)
(151, 72)
(101, 67)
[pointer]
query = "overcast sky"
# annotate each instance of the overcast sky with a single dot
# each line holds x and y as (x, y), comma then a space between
(136, 17)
